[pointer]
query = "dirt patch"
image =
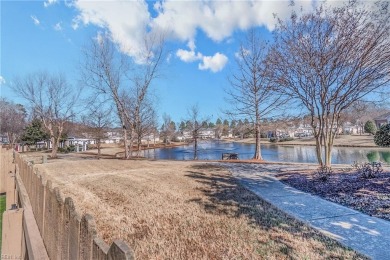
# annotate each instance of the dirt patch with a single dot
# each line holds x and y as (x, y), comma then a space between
(348, 188)
(185, 210)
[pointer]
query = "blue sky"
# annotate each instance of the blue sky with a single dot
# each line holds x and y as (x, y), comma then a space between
(202, 36)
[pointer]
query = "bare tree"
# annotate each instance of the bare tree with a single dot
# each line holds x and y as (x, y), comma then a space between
(12, 120)
(98, 120)
(104, 69)
(52, 99)
(194, 125)
(252, 94)
(218, 128)
(152, 59)
(330, 59)
(167, 129)
(117, 76)
(143, 119)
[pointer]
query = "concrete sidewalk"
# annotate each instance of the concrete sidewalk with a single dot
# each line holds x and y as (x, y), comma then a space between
(365, 234)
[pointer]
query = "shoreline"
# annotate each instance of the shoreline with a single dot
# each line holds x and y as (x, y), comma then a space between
(353, 141)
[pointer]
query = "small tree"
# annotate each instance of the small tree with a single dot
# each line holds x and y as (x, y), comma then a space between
(218, 128)
(225, 130)
(34, 133)
(167, 129)
(369, 127)
(194, 125)
(143, 118)
(382, 136)
(98, 119)
(182, 126)
(12, 120)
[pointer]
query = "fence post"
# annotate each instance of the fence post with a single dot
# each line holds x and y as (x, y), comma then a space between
(119, 250)
(87, 235)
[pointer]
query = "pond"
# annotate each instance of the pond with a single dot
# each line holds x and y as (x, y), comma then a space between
(212, 150)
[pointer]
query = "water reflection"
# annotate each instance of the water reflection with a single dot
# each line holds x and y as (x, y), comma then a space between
(280, 153)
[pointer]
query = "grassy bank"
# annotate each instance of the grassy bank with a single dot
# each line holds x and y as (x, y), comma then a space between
(2, 209)
(341, 140)
(185, 210)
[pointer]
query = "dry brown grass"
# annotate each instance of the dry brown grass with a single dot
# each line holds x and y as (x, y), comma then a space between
(185, 210)
(342, 140)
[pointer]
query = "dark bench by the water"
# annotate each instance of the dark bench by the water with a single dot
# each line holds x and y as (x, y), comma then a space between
(230, 156)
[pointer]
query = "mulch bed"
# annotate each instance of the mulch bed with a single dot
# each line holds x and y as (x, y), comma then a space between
(347, 187)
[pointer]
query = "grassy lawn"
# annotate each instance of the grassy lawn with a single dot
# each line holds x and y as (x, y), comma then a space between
(2, 209)
(185, 210)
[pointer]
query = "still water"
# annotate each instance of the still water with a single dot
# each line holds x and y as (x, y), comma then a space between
(279, 153)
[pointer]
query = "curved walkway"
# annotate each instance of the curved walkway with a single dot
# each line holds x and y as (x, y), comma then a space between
(365, 234)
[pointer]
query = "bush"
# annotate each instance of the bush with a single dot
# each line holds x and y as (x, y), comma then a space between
(369, 127)
(368, 170)
(382, 136)
(71, 148)
(285, 139)
(263, 135)
(386, 157)
(62, 150)
(67, 149)
(373, 156)
(323, 173)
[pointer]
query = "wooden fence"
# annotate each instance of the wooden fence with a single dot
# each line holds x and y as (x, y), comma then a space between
(66, 233)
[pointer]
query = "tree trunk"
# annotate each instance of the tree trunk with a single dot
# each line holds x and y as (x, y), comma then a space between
(328, 152)
(318, 137)
(55, 142)
(327, 155)
(195, 148)
(99, 148)
(125, 142)
(319, 151)
(130, 147)
(11, 139)
(139, 146)
(257, 155)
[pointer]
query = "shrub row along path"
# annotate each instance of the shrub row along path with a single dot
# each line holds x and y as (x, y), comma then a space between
(365, 234)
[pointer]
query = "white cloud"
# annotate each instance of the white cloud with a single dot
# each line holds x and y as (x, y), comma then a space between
(188, 56)
(128, 22)
(219, 19)
(191, 55)
(125, 20)
(57, 26)
(2, 80)
(49, 2)
(35, 20)
(214, 63)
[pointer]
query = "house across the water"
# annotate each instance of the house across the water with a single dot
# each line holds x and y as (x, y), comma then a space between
(382, 120)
